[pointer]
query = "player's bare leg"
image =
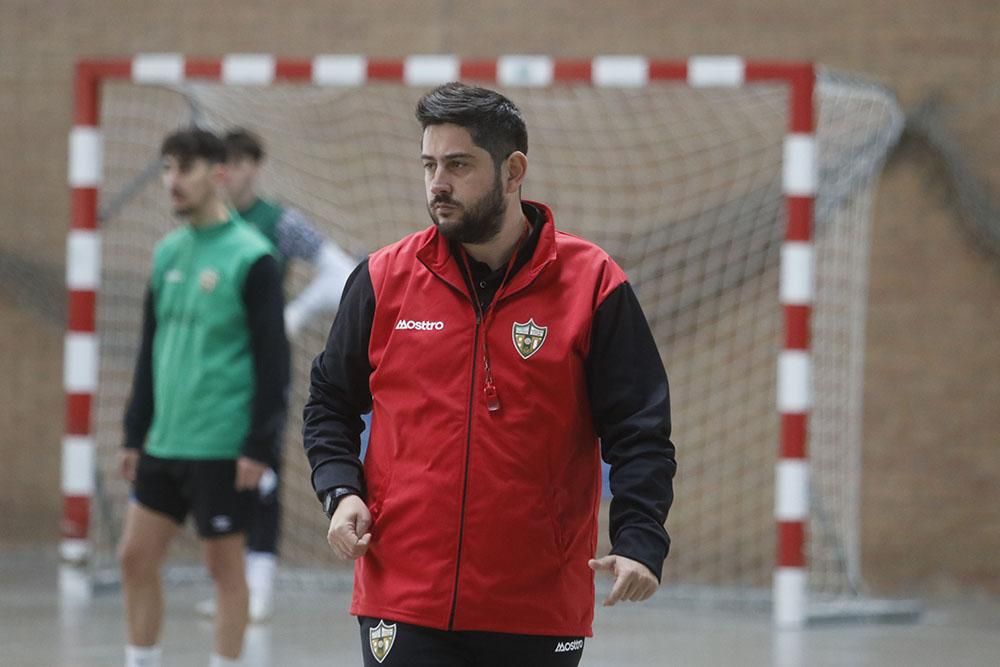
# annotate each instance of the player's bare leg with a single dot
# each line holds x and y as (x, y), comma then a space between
(224, 559)
(141, 553)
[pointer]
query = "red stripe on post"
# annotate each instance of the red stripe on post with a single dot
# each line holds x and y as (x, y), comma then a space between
(572, 70)
(110, 69)
(801, 79)
(83, 208)
(766, 70)
(800, 218)
(78, 414)
(794, 434)
(478, 70)
(803, 117)
(667, 71)
(385, 70)
(779, 72)
(86, 93)
(82, 310)
(293, 70)
(791, 543)
(203, 69)
(76, 517)
(797, 327)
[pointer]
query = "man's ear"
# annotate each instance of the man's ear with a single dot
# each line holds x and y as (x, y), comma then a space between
(517, 167)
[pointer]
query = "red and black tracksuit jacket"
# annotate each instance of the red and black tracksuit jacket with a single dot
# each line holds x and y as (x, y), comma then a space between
(484, 519)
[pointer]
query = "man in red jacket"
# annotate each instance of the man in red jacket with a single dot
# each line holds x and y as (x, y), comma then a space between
(501, 359)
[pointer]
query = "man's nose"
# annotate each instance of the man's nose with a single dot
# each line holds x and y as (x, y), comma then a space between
(439, 184)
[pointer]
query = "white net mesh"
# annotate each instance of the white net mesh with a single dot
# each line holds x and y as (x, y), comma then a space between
(682, 186)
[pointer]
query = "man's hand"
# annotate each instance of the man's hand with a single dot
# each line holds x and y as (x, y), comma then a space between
(633, 580)
(128, 460)
(248, 473)
(349, 536)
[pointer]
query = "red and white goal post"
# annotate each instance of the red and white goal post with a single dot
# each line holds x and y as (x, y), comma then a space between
(735, 194)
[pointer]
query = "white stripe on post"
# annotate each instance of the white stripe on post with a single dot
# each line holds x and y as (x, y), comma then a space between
(620, 71)
(76, 586)
(799, 170)
(534, 71)
(85, 157)
(80, 363)
(74, 551)
(83, 260)
(797, 277)
(709, 71)
(248, 69)
(791, 498)
(794, 382)
(430, 70)
(158, 68)
(339, 70)
(787, 649)
(789, 597)
(78, 466)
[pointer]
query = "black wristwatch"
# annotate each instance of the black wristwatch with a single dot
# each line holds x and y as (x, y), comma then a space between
(334, 496)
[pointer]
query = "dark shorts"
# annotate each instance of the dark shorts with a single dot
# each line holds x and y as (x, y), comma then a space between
(205, 489)
(390, 643)
(264, 522)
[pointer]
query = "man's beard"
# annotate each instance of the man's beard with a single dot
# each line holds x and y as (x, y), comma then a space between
(478, 223)
(189, 205)
(184, 210)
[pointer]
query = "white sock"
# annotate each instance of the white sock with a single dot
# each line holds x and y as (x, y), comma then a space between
(142, 656)
(217, 660)
(260, 567)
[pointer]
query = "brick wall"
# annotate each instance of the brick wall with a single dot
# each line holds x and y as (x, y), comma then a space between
(932, 451)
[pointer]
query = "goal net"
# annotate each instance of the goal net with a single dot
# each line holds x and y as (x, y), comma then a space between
(681, 185)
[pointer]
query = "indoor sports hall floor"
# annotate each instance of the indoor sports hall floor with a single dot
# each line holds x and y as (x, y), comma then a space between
(37, 629)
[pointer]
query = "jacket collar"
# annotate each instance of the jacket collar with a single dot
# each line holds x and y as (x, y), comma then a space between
(435, 253)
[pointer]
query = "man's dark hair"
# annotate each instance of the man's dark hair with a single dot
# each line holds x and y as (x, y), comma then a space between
(494, 122)
(242, 143)
(192, 143)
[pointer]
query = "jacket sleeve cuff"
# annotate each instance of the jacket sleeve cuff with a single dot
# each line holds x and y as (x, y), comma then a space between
(644, 547)
(329, 476)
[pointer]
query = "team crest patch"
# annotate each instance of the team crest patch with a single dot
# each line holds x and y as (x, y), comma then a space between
(381, 638)
(528, 337)
(208, 279)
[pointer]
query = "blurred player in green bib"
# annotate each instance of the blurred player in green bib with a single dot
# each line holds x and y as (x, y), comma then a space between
(208, 402)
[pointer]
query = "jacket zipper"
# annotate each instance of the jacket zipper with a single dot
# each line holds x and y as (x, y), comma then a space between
(480, 317)
(465, 476)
